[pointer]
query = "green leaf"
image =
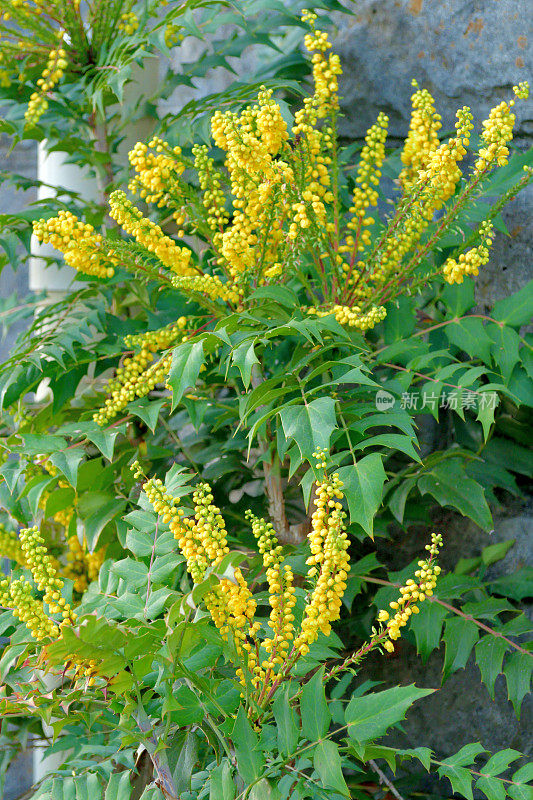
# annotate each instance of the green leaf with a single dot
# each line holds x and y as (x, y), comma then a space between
(103, 438)
(450, 486)
(521, 792)
(515, 309)
(222, 786)
(327, 762)
(264, 790)
(453, 768)
(133, 573)
(499, 762)
(68, 461)
(370, 716)
(517, 671)
(244, 358)
(517, 585)
(363, 489)
(490, 651)
(486, 411)
(427, 628)
(493, 788)
(185, 368)
(310, 425)
(392, 441)
(314, 709)
(469, 335)
(287, 729)
(459, 297)
(187, 757)
(495, 552)
(147, 410)
(12, 470)
(119, 786)
(250, 760)
(460, 636)
(460, 779)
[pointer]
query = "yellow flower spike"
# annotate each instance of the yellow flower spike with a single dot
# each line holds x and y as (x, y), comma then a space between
(149, 235)
(328, 543)
(469, 263)
(422, 139)
(44, 573)
(412, 591)
(368, 173)
(158, 167)
(80, 245)
(140, 373)
(50, 77)
(17, 595)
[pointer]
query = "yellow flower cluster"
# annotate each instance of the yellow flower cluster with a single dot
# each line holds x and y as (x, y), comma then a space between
(352, 315)
(251, 140)
(158, 175)
(44, 573)
(17, 595)
(202, 539)
(52, 74)
(498, 132)
(10, 546)
(328, 562)
(325, 71)
(281, 600)
(368, 174)
(78, 241)
(427, 193)
(128, 22)
(139, 373)
(412, 593)
(210, 285)
(422, 139)
(149, 235)
(210, 180)
(469, 263)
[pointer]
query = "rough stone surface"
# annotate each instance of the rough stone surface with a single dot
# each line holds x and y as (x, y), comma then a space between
(464, 52)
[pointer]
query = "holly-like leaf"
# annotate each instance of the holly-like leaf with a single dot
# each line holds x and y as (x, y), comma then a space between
(187, 360)
(310, 425)
(314, 709)
(363, 489)
(287, 729)
(250, 759)
(490, 651)
(460, 636)
(450, 486)
(518, 669)
(515, 309)
(370, 716)
(328, 764)
(427, 628)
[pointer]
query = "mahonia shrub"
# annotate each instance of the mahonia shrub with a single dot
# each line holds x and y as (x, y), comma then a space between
(266, 655)
(274, 215)
(277, 299)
